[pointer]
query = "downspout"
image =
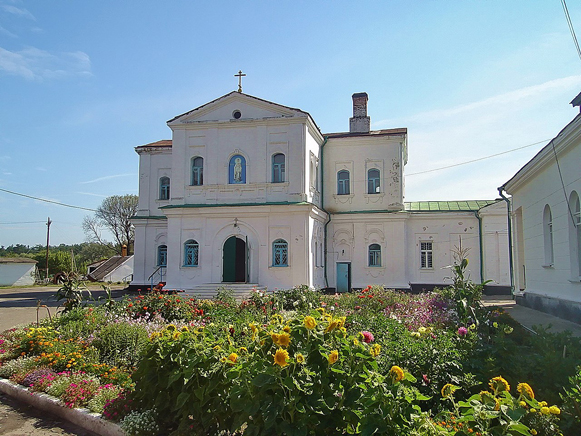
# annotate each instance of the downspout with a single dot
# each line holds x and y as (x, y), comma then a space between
(480, 239)
(510, 259)
(323, 208)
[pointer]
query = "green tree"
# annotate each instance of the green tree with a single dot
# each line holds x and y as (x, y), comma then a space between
(113, 215)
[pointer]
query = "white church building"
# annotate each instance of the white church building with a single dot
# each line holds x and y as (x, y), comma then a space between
(251, 192)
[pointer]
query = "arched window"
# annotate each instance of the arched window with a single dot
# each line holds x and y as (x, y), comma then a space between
(191, 253)
(373, 181)
(164, 188)
(278, 168)
(197, 171)
(575, 235)
(280, 253)
(548, 235)
(237, 170)
(162, 255)
(374, 255)
(343, 182)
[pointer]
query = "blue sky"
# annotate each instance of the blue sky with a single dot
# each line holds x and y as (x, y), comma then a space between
(84, 82)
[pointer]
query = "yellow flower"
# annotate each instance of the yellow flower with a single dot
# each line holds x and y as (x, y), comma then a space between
(422, 330)
(176, 335)
(300, 358)
(525, 390)
(310, 322)
(522, 404)
(284, 339)
(543, 403)
(533, 432)
(185, 329)
(499, 384)
(253, 327)
(554, 410)
(375, 350)
(533, 410)
(217, 348)
(333, 323)
(321, 310)
(448, 390)
(545, 410)
(232, 358)
(171, 327)
(356, 342)
(286, 329)
(243, 350)
(281, 357)
(223, 359)
(396, 373)
(333, 357)
(274, 337)
(415, 335)
(341, 321)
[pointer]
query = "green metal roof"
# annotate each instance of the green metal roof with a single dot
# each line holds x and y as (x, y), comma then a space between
(447, 206)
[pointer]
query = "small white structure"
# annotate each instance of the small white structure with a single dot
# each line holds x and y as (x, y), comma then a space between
(546, 225)
(17, 271)
(260, 196)
(114, 269)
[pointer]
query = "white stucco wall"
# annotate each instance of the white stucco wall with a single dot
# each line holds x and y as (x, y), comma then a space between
(123, 273)
(539, 184)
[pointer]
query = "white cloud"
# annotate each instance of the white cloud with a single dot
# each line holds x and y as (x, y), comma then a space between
(101, 179)
(93, 195)
(7, 32)
(21, 12)
(35, 64)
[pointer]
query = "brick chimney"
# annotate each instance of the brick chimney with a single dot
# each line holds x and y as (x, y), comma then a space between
(124, 250)
(360, 122)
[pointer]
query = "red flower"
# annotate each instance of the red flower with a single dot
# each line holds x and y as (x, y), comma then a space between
(144, 307)
(130, 304)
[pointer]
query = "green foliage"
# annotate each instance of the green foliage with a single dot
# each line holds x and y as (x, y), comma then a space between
(140, 423)
(121, 344)
(72, 292)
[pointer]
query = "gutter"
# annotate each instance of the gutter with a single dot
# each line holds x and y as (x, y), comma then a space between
(480, 239)
(323, 208)
(510, 259)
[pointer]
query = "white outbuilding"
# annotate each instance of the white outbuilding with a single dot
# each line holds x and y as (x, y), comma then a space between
(17, 271)
(251, 193)
(546, 225)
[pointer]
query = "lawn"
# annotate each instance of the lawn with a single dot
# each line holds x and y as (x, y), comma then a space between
(298, 362)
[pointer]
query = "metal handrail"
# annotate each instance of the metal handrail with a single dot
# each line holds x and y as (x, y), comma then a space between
(160, 269)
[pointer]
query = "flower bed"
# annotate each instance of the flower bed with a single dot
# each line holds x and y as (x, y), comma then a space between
(299, 362)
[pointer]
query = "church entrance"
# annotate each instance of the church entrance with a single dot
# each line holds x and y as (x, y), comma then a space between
(234, 260)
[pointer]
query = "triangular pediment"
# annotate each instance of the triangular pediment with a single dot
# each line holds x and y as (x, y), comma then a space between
(236, 106)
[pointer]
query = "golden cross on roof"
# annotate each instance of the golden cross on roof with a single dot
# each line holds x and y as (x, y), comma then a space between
(240, 76)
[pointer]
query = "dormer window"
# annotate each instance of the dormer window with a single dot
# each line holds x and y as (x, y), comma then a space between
(164, 188)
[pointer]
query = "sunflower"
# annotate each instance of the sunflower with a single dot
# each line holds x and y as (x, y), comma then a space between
(333, 324)
(333, 357)
(274, 337)
(499, 384)
(525, 390)
(284, 339)
(300, 358)
(286, 329)
(396, 373)
(281, 357)
(310, 322)
(232, 358)
(448, 390)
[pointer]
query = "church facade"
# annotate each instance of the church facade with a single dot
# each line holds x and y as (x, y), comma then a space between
(250, 191)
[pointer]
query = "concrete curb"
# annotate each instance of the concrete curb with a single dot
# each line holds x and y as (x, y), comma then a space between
(81, 417)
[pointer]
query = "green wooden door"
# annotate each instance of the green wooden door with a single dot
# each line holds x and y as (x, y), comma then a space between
(234, 260)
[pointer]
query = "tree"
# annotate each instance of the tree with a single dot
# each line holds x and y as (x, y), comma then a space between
(114, 215)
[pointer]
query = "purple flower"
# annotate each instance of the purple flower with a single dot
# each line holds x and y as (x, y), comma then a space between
(462, 331)
(367, 337)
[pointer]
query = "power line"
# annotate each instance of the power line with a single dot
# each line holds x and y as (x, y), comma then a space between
(47, 201)
(570, 23)
(24, 222)
(477, 160)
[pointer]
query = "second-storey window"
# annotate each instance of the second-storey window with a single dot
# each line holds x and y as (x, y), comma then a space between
(278, 168)
(343, 182)
(164, 188)
(197, 171)
(373, 181)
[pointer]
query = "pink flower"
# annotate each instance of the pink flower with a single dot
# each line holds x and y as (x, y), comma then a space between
(462, 331)
(367, 337)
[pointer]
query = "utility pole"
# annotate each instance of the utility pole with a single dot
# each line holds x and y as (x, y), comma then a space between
(48, 223)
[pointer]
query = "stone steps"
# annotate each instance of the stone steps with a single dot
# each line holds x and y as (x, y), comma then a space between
(209, 290)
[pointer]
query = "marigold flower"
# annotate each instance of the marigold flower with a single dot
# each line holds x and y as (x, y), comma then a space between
(499, 384)
(310, 322)
(545, 410)
(281, 357)
(333, 357)
(525, 390)
(395, 373)
(554, 410)
(284, 339)
(375, 350)
(232, 358)
(300, 358)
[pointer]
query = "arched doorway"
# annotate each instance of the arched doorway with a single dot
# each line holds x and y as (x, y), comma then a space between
(234, 260)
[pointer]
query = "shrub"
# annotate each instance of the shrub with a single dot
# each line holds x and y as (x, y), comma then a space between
(104, 394)
(79, 394)
(17, 366)
(120, 344)
(140, 423)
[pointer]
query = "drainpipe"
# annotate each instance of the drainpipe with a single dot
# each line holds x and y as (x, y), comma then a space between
(510, 260)
(328, 214)
(480, 239)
